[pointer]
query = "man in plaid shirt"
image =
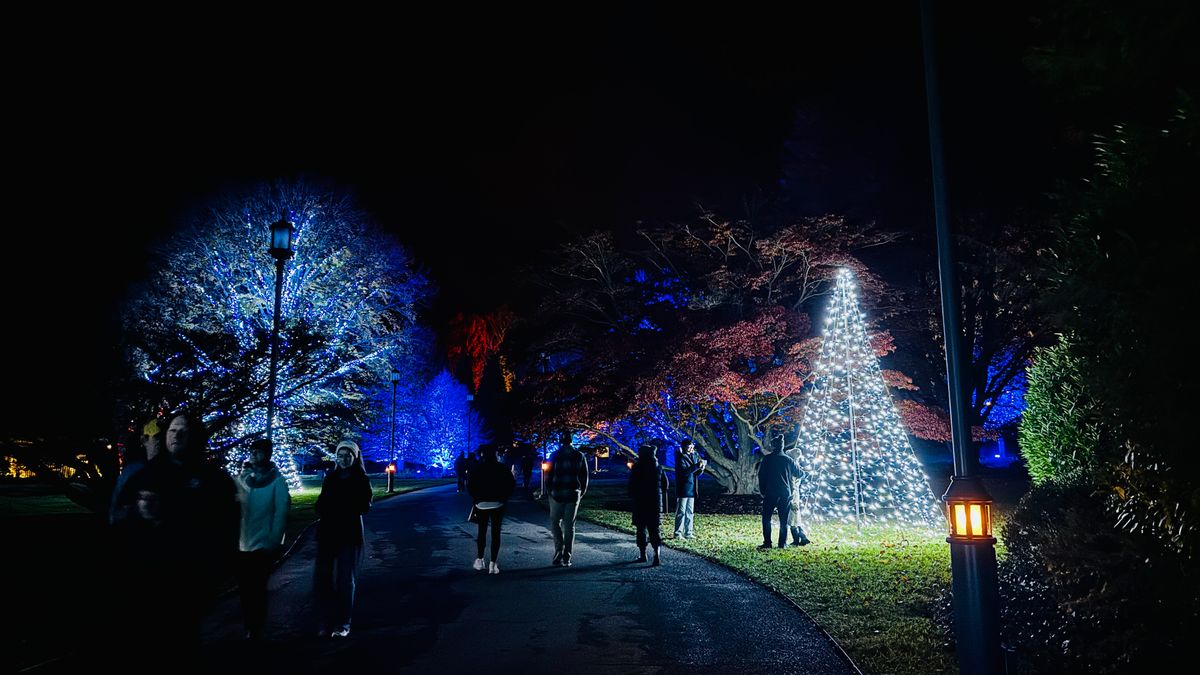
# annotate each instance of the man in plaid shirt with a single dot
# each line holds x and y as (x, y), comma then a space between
(566, 482)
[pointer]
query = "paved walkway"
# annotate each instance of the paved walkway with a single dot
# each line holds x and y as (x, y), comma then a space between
(422, 609)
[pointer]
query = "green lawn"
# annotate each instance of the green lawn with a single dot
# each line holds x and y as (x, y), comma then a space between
(874, 591)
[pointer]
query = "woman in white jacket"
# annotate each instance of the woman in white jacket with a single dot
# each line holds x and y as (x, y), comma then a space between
(263, 493)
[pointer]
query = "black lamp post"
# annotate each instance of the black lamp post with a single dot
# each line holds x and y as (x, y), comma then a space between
(391, 469)
(972, 546)
(282, 234)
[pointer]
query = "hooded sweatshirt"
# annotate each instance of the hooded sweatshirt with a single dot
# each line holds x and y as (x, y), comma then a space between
(264, 496)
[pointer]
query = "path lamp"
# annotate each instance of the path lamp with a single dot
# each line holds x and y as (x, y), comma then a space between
(391, 469)
(545, 468)
(972, 547)
(283, 232)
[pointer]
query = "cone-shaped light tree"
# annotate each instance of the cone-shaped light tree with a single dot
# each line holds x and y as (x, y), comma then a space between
(859, 465)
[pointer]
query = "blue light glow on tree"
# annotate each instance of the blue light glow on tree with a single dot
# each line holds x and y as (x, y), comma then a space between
(444, 418)
(198, 335)
(859, 465)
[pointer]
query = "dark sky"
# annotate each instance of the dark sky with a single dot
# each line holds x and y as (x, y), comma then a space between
(482, 146)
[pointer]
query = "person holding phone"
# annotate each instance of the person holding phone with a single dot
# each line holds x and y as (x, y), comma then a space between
(688, 467)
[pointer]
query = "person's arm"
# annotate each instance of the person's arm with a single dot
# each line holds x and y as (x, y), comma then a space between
(366, 495)
(583, 475)
(283, 502)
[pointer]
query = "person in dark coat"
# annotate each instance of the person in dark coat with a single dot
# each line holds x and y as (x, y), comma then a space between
(776, 472)
(462, 470)
(185, 504)
(490, 485)
(526, 464)
(345, 497)
(688, 467)
(648, 487)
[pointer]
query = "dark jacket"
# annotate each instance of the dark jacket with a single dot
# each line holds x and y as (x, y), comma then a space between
(648, 487)
(490, 482)
(775, 474)
(687, 474)
(345, 497)
(567, 479)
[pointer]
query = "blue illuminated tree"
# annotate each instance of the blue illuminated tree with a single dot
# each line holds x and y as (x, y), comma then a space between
(444, 418)
(198, 333)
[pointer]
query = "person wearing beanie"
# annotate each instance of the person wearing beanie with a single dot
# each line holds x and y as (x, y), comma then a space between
(345, 497)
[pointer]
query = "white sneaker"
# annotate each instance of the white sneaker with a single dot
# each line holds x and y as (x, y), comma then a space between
(341, 632)
(478, 564)
(493, 568)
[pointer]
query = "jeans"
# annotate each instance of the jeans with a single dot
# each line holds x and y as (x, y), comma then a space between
(336, 575)
(562, 524)
(486, 516)
(685, 516)
(770, 504)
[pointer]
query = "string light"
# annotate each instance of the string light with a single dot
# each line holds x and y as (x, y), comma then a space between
(859, 465)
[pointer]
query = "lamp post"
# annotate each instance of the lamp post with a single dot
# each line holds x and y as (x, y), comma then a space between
(391, 469)
(972, 546)
(282, 233)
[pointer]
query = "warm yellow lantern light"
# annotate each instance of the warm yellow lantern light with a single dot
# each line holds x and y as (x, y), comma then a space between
(970, 519)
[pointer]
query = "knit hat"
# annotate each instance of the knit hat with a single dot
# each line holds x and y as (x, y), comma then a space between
(352, 446)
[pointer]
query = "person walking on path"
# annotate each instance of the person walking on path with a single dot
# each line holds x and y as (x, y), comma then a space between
(263, 493)
(566, 482)
(688, 467)
(345, 497)
(776, 472)
(526, 464)
(648, 487)
(490, 486)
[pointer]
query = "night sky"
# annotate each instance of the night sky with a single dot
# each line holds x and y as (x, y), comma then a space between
(482, 147)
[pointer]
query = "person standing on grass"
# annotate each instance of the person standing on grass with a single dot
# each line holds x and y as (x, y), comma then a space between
(799, 537)
(566, 483)
(490, 486)
(263, 493)
(648, 487)
(776, 472)
(688, 467)
(345, 497)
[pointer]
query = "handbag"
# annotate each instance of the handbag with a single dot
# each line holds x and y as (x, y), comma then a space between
(473, 516)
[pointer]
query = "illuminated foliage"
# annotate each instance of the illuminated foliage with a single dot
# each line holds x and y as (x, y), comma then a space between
(855, 453)
(198, 334)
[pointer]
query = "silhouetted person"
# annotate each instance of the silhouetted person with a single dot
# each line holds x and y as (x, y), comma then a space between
(462, 469)
(648, 487)
(490, 485)
(776, 472)
(566, 483)
(526, 464)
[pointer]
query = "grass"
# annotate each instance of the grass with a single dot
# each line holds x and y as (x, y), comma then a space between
(874, 591)
(39, 505)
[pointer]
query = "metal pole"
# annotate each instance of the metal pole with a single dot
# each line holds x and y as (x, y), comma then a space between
(279, 262)
(972, 564)
(392, 444)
